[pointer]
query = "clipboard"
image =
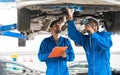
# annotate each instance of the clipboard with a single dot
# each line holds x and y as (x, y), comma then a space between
(57, 51)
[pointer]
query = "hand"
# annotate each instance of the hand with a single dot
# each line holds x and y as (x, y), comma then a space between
(63, 55)
(70, 13)
(89, 29)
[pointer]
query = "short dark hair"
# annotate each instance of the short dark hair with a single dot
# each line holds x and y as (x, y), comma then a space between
(53, 23)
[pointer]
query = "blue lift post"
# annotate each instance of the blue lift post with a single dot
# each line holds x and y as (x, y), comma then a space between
(5, 31)
(8, 27)
(7, 0)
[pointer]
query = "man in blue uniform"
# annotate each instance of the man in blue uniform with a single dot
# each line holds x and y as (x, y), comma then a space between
(96, 44)
(56, 65)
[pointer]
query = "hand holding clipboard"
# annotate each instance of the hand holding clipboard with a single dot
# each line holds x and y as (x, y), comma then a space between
(57, 51)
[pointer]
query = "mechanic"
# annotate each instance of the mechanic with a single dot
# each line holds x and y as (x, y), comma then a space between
(96, 44)
(56, 65)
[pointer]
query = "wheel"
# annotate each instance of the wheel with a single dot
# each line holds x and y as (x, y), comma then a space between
(24, 19)
(21, 42)
(113, 24)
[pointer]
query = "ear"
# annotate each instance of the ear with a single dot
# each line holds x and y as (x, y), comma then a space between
(50, 29)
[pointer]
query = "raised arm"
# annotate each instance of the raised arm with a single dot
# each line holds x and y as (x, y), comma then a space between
(73, 33)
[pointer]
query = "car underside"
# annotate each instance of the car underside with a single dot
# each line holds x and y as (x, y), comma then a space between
(36, 18)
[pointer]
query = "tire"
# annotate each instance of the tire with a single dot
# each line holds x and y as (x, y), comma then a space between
(24, 19)
(113, 24)
(21, 42)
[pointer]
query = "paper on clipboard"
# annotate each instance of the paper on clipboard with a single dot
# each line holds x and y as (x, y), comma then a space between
(57, 51)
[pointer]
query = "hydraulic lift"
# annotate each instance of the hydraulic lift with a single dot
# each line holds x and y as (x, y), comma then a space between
(5, 30)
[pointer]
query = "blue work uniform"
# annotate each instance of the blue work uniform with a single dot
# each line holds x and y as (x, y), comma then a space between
(56, 65)
(97, 49)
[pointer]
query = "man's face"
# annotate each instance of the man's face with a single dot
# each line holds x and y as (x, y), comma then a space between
(56, 28)
(94, 25)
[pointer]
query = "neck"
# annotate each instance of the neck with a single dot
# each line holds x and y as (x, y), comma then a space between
(56, 36)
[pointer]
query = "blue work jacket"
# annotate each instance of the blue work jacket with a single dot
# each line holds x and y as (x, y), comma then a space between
(56, 65)
(97, 49)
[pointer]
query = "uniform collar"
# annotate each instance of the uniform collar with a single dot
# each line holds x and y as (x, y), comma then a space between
(52, 38)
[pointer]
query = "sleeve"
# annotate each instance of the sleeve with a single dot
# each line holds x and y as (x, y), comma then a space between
(43, 53)
(70, 52)
(103, 41)
(74, 34)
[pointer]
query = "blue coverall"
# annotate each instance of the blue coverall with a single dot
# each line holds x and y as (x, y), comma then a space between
(57, 65)
(97, 49)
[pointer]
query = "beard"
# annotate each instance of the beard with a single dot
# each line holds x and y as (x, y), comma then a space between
(58, 31)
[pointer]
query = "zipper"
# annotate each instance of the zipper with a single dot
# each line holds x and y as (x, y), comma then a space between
(58, 68)
(58, 59)
(93, 56)
(90, 42)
